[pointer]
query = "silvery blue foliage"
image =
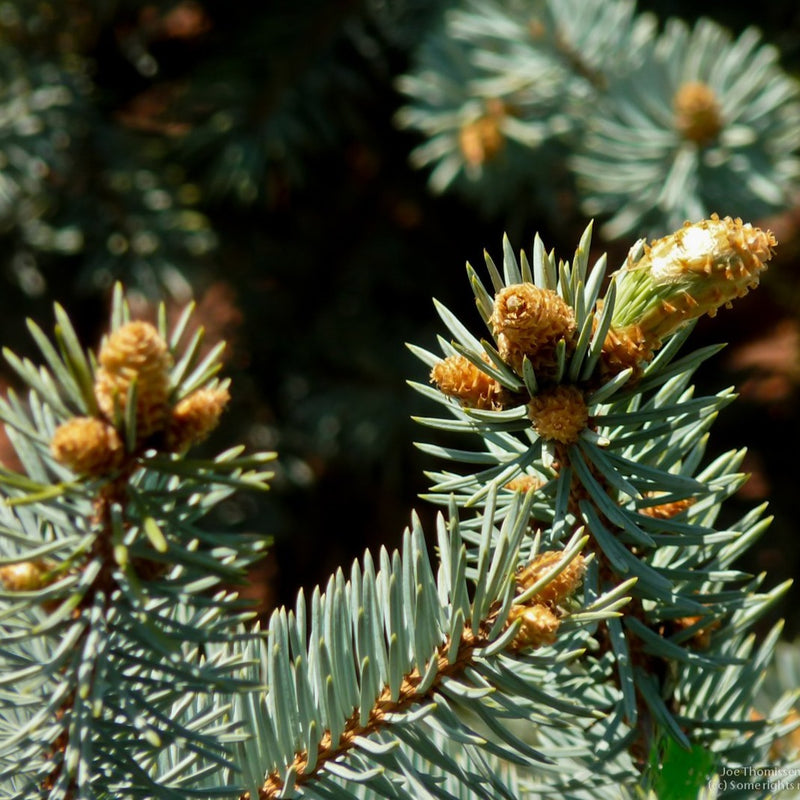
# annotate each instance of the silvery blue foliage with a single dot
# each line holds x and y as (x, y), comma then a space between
(593, 87)
(557, 641)
(635, 164)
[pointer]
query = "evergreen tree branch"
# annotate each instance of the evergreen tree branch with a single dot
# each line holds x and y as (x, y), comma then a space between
(390, 652)
(626, 468)
(120, 622)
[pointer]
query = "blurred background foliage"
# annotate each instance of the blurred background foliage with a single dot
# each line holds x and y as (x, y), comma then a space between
(246, 155)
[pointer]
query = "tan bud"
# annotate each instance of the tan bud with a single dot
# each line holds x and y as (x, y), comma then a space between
(539, 625)
(482, 139)
(698, 116)
(562, 586)
(88, 446)
(626, 348)
(559, 414)
(530, 321)
(666, 510)
(456, 376)
(25, 576)
(194, 417)
(137, 352)
(524, 483)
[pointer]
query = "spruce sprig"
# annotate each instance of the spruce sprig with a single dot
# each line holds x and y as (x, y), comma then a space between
(116, 621)
(593, 413)
(409, 675)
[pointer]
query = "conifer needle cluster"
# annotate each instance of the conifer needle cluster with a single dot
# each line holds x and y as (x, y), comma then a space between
(581, 630)
(646, 125)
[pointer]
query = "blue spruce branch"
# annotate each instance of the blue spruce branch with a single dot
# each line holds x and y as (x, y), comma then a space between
(582, 631)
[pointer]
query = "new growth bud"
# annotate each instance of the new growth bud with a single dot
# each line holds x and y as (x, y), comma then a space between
(539, 625)
(25, 576)
(698, 117)
(88, 446)
(135, 352)
(524, 483)
(559, 414)
(135, 355)
(562, 586)
(482, 140)
(666, 510)
(194, 417)
(539, 617)
(529, 321)
(456, 376)
(692, 272)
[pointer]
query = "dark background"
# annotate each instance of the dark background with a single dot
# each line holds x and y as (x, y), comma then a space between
(254, 145)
